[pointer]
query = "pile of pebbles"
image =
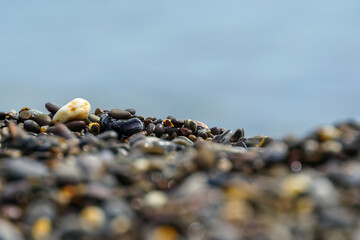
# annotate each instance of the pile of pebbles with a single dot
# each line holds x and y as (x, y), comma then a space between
(112, 174)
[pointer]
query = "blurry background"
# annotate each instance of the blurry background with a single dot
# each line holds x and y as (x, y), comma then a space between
(272, 67)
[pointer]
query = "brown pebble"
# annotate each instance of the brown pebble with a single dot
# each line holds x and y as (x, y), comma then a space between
(192, 137)
(25, 115)
(76, 125)
(53, 108)
(98, 111)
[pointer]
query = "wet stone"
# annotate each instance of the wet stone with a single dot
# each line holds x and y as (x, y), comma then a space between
(120, 114)
(43, 119)
(31, 126)
(128, 127)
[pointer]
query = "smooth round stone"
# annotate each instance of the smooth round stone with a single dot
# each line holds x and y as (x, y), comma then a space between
(150, 128)
(25, 115)
(75, 125)
(181, 140)
(159, 120)
(128, 127)
(159, 130)
(77, 108)
(177, 122)
(31, 126)
(61, 130)
(35, 112)
(43, 119)
(120, 114)
(51, 107)
(239, 133)
(94, 118)
(131, 110)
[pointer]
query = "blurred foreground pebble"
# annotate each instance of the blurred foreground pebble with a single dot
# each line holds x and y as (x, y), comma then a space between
(112, 174)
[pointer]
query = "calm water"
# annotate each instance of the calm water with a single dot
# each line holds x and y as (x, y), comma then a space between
(272, 67)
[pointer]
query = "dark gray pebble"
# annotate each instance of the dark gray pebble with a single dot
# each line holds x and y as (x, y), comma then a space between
(131, 110)
(159, 120)
(105, 120)
(43, 119)
(128, 127)
(171, 130)
(177, 122)
(61, 130)
(31, 126)
(159, 129)
(239, 133)
(120, 114)
(150, 128)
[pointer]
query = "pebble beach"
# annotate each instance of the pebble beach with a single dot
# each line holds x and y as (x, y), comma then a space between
(77, 173)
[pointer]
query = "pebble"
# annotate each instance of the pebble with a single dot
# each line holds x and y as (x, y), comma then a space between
(77, 108)
(144, 178)
(51, 107)
(25, 115)
(75, 125)
(120, 114)
(128, 127)
(43, 119)
(31, 126)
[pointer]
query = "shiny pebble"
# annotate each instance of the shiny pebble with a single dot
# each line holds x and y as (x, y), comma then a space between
(77, 108)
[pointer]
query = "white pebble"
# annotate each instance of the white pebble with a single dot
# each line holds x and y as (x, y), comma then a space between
(76, 109)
